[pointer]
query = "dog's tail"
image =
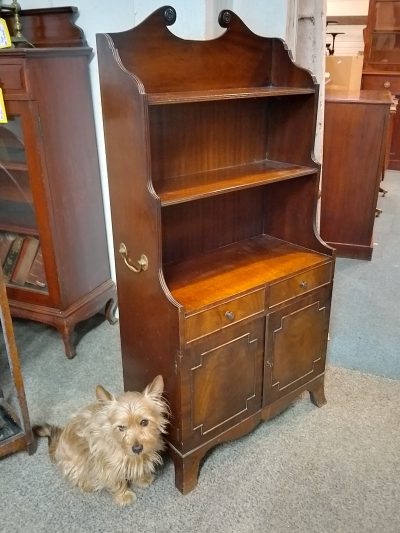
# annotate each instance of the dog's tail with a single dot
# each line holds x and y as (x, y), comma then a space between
(52, 433)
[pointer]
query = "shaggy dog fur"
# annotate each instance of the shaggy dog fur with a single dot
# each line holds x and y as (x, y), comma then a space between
(113, 442)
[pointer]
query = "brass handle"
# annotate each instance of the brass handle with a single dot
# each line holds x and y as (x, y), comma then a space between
(229, 315)
(386, 84)
(142, 263)
(303, 284)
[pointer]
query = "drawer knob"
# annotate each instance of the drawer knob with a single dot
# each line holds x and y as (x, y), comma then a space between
(303, 284)
(386, 84)
(230, 315)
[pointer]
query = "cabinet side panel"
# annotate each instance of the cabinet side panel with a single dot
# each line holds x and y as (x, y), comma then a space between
(353, 150)
(149, 320)
(292, 132)
(290, 211)
(62, 91)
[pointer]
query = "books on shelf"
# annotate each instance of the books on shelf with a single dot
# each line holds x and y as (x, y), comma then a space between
(24, 261)
(21, 259)
(6, 240)
(36, 275)
(12, 256)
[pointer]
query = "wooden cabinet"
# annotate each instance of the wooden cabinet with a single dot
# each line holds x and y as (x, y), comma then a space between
(15, 429)
(223, 284)
(382, 60)
(355, 133)
(50, 190)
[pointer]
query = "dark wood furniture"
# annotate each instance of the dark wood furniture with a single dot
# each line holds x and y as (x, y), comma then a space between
(224, 286)
(49, 174)
(15, 431)
(382, 60)
(355, 132)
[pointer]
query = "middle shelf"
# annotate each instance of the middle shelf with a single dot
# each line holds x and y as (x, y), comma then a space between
(210, 183)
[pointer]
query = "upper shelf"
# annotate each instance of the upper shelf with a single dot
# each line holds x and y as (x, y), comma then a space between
(224, 94)
(213, 182)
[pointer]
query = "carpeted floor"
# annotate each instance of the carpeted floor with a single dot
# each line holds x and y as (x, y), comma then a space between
(329, 470)
(365, 319)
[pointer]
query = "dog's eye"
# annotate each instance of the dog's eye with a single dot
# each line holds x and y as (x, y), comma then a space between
(121, 428)
(144, 422)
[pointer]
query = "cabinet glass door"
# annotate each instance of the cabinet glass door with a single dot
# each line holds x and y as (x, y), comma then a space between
(385, 46)
(20, 251)
(16, 204)
(387, 16)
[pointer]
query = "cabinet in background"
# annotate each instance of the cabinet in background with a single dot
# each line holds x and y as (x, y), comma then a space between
(224, 286)
(355, 132)
(382, 60)
(52, 228)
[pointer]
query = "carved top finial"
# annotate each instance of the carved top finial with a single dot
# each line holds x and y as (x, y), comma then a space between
(224, 18)
(169, 15)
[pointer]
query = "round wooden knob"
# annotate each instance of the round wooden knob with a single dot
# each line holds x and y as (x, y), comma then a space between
(386, 84)
(229, 315)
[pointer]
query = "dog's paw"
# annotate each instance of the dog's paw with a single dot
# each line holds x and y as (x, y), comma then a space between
(125, 498)
(145, 481)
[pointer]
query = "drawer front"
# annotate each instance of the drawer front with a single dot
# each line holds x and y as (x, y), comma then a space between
(300, 284)
(224, 315)
(381, 81)
(12, 78)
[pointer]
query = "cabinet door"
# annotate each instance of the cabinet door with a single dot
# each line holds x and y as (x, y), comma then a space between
(221, 376)
(296, 344)
(23, 206)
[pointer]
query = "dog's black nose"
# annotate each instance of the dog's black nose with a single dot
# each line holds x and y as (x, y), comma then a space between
(137, 448)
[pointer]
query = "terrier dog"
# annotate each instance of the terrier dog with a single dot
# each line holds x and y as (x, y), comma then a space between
(112, 442)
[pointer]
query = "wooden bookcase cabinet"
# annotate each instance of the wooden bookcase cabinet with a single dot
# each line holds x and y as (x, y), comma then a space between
(224, 286)
(53, 190)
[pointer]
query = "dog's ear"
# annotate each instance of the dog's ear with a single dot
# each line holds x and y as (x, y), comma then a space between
(156, 387)
(102, 395)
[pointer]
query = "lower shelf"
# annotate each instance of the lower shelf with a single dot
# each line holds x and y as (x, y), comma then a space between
(202, 281)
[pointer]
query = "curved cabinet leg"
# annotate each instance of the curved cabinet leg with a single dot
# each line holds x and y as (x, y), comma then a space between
(67, 332)
(317, 393)
(110, 311)
(186, 470)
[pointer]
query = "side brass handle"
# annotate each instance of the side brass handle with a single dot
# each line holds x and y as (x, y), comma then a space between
(142, 263)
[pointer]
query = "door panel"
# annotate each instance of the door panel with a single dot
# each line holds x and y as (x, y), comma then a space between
(222, 377)
(296, 345)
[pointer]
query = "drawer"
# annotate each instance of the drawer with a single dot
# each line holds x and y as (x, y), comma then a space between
(12, 77)
(381, 81)
(224, 315)
(302, 283)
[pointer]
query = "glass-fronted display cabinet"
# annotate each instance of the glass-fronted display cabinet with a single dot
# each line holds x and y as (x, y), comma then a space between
(384, 45)
(381, 68)
(53, 240)
(15, 429)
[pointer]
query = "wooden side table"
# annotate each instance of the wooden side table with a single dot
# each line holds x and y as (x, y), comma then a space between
(15, 431)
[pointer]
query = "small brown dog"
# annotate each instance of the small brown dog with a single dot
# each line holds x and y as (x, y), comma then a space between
(112, 442)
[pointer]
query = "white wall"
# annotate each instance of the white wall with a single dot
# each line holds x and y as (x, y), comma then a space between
(196, 19)
(352, 42)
